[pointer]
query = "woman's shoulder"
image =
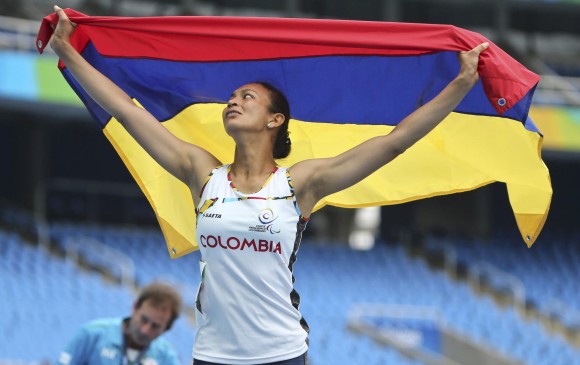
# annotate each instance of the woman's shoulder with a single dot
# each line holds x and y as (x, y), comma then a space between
(304, 169)
(217, 171)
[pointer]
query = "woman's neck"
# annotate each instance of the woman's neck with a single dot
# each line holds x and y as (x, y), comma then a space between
(254, 161)
(250, 177)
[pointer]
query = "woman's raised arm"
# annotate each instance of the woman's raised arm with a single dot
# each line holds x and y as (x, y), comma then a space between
(189, 163)
(317, 178)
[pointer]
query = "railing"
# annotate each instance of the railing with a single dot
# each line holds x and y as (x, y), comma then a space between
(555, 89)
(403, 342)
(21, 362)
(510, 281)
(75, 245)
(564, 311)
(18, 34)
(395, 311)
(477, 271)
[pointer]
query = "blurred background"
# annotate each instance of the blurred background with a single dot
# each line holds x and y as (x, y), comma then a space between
(446, 280)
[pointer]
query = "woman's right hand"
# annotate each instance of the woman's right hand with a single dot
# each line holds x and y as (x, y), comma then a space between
(63, 30)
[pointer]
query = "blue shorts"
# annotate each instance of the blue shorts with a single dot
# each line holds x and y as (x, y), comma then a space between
(300, 360)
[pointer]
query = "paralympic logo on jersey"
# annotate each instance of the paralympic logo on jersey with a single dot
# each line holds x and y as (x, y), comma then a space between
(266, 217)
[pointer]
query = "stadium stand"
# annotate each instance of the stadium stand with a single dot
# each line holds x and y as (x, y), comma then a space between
(47, 298)
(332, 278)
(548, 272)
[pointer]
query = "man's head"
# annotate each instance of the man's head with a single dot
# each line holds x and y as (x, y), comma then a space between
(153, 313)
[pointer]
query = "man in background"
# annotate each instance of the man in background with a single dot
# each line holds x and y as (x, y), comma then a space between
(129, 341)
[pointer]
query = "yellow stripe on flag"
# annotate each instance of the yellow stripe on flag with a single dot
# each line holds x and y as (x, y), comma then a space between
(463, 153)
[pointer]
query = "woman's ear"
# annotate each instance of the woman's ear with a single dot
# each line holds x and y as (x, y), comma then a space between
(277, 120)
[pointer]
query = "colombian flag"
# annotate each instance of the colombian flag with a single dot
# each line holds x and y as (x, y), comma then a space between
(346, 82)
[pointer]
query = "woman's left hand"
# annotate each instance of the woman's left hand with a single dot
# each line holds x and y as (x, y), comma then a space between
(468, 60)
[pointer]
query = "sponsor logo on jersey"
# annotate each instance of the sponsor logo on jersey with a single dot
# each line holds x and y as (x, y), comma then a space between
(108, 353)
(212, 215)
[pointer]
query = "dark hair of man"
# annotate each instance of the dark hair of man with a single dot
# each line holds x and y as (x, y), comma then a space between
(161, 294)
(279, 104)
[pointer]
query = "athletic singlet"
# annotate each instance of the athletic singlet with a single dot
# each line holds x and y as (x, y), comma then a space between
(247, 309)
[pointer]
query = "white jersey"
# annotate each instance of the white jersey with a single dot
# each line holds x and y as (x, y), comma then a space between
(247, 309)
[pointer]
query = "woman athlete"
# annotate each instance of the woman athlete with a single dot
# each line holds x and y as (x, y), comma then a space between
(251, 211)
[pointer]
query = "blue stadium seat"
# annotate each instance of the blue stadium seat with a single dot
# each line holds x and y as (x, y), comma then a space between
(332, 278)
(44, 294)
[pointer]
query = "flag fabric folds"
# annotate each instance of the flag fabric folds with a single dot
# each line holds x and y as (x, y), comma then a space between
(346, 82)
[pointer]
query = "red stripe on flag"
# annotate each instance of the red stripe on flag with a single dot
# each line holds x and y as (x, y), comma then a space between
(214, 39)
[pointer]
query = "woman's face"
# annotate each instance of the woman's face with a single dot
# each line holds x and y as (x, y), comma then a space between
(247, 109)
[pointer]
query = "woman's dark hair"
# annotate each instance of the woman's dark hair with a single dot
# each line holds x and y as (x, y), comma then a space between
(279, 104)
